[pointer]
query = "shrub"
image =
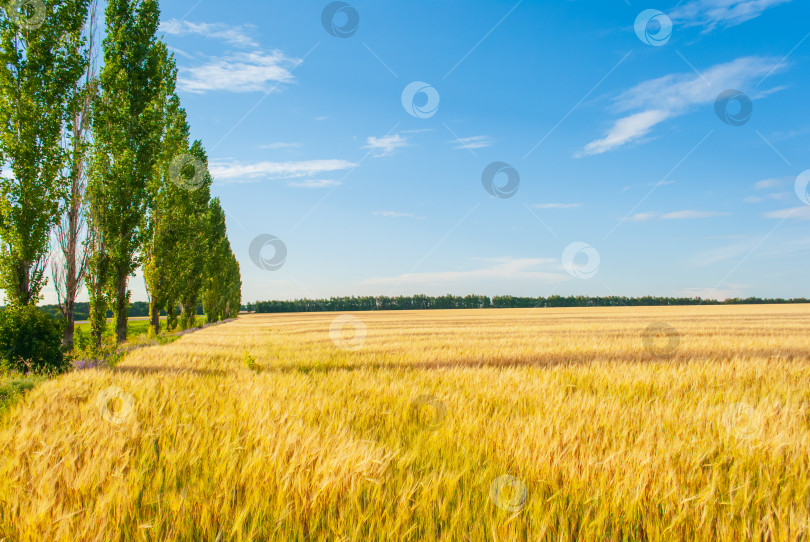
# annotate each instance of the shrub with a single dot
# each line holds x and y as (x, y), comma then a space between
(30, 342)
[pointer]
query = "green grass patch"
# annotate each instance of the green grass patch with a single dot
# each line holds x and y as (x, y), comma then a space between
(14, 387)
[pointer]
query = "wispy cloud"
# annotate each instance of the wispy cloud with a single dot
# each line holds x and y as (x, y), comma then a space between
(796, 213)
(652, 102)
(535, 269)
(386, 145)
(676, 215)
(395, 214)
(685, 215)
(314, 183)
(239, 72)
(774, 196)
(711, 14)
(767, 183)
(474, 142)
(556, 205)
(238, 36)
(260, 171)
(641, 217)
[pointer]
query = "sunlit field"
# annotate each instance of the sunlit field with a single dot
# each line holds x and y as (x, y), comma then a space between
(524, 424)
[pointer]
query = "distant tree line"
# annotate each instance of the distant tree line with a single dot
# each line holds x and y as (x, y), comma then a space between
(423, 302)
(96, 157)
(81, 312)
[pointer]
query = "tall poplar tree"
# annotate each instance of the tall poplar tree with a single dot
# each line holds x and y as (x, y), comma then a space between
(127, 130)
(39, 66)
(70, 264)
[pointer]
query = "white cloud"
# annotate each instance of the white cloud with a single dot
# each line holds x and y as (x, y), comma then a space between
(660, 99)
(626, 130)
(314, 183)
(259, 171)
(474, 142)
(640, 217)
(556, 205)
(767, 183)
(239, 72)
(517, 269)
(681, 215)
(724, 13)
(676, 215)
(796, 213)
(386, 145)
(395, 214)
(233, 35)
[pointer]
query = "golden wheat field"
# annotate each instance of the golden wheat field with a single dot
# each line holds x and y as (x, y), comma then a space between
(518, 424)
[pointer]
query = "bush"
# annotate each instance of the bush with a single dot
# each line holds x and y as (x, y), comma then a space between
(30, 342)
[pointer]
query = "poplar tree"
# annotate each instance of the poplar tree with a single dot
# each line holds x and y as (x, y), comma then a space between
(127, 130)
(39, 66)
(70, 264)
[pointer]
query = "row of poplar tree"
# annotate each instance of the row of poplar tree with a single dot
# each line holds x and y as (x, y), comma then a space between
(98, 176)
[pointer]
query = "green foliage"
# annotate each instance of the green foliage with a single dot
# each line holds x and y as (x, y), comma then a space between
(250, 362)
(222, 292)
(81, 342)
(30, 342)
(127, 130)
(14, 387)
(38, 70)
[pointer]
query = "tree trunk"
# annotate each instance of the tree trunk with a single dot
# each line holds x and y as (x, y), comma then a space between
(154, 317)
(171, 316)
(121, 305)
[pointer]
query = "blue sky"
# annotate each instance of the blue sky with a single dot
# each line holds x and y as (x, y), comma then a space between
(630, 183)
